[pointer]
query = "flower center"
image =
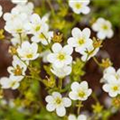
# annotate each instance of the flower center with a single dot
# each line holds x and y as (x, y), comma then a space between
(41, 36)
(37, 28)
(105, 27)
(115, 88)
(58, 101)
(61, 56)
(13, 83)
(81, 41)
(19, 30)
(29, 55)
(78, 5)
(18, 70)
(81, 94)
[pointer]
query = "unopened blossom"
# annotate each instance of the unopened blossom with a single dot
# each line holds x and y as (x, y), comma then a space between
(112, 87)
(80, 39)
(89, 52)
(80, 6)
(56, 102)
(61, 72)
(60, 56)
(28, 51)
(80, 91)
(36, 25)
(103, 28)
(1, 12)
(18, 68)
(80, 117)
(10, 82)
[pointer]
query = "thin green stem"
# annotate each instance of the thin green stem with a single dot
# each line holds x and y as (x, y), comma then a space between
(79, 107)
(97, 62)
(47, 42)
(51, 7)
(31, 77)
(60, 83)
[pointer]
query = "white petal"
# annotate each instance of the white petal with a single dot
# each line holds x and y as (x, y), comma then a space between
(110, 33)
(68, 60)
(101, 35)
(84, 85)
(68, 50)
(113, 94)
(86, 32)
(82, 117)
(61, 111)
(85, 10)
(35, 18)
(56, 94)
(67, 102)
(76, 32)
(51, 58)
(49, 99)
(50, 107)
(56, 47)
(106, 88)
(71, 41)
(73, 95)
(75, 86)
(58, 64)
(89, 92)
(72, 117)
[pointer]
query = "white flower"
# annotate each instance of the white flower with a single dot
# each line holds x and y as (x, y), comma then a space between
(61, 55)
(89, 52)
(80, 39)
(15, 24)
(18, 68)
(19, 2)
(103, 27)
(110, 74)
(42, 36)
(17, 18)
(1, 12)
(11, 82)
(112, 87)
(25, 7)
(61, 72)
(56, 102)
(80, 117)
(80, 91)
(36, 25)
(80, 6)
(18, 10)
(28, 51)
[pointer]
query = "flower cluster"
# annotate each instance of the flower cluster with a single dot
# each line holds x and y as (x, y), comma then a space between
(42, 58)
(83, 43)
